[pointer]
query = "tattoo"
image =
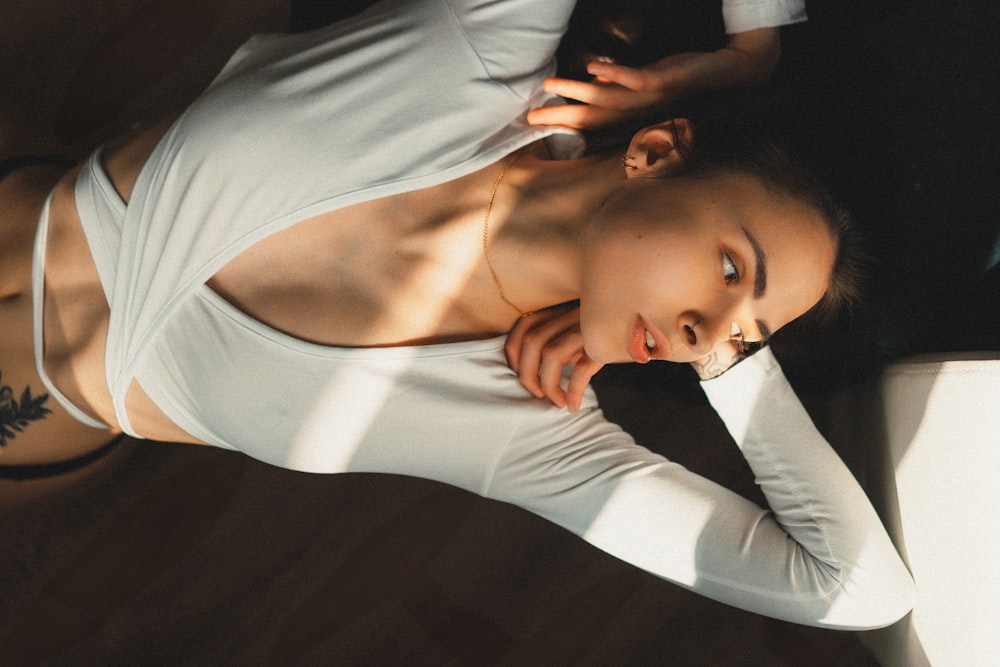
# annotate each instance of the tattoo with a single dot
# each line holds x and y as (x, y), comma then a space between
(16, 415)
(713, 365)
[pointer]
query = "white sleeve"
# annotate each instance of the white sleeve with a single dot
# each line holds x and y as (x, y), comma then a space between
(818, 555)
(744, 15)
(514, 39)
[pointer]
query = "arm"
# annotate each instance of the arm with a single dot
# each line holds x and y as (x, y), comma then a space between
(515, 40)
(812, 495)
(620, 94)
(817, 554)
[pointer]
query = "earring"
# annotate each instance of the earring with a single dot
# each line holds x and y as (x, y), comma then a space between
(626, 160)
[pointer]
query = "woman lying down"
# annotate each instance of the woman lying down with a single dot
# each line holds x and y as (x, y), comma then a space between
(319, 222)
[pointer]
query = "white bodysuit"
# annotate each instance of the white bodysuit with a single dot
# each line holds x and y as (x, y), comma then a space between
(405, 96)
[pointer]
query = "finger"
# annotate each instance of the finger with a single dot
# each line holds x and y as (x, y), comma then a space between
(549, 379)
(578, 116)
(583, 371)
(528, 340)
(515, 338)
(608, 95)
(544, 349)
(564, 352)
(588, 92)
(631, 78)
(514, 347)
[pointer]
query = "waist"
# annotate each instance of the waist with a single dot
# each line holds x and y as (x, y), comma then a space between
(71, 312)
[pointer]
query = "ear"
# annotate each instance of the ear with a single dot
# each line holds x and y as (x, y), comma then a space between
(659, 150)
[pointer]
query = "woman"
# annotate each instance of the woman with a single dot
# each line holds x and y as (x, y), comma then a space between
(260, 274)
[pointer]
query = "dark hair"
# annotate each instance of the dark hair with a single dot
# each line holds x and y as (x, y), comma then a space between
(752, 150)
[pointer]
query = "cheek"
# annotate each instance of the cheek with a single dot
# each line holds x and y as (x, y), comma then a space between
(604, 278)
(650, 273)
(672, 283)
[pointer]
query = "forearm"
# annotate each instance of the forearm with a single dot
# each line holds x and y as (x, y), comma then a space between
(748, 59)
(816, 555)
(752, 56)
(813, 495)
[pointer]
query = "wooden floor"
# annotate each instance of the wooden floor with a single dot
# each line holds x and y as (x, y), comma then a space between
(195, 556)
(203, 557)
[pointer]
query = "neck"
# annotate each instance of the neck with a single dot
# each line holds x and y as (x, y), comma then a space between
(538, 223)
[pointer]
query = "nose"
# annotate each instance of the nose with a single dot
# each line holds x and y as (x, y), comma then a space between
(703, 330)
(696, 332)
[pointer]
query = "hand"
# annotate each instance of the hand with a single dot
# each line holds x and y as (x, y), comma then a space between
(620, 94)
(723, 356)
(541, 345)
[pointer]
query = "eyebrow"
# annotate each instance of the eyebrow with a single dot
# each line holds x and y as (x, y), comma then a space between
(765, 332)
(760, 266)
(759, 279)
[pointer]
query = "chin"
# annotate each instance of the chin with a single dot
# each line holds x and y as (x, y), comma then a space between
(601, 352)
(601, 343)
(592, 347)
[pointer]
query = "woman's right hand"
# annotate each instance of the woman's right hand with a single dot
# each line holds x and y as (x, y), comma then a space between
(541, 345)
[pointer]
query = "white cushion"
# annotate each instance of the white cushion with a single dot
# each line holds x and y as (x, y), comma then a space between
(942, 419)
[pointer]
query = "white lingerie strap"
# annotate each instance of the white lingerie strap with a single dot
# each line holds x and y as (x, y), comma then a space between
(38, 303)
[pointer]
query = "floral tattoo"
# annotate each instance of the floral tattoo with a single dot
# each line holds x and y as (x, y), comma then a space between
(15, 415)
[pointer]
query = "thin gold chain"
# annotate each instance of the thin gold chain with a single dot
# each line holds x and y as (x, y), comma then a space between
(486, 241)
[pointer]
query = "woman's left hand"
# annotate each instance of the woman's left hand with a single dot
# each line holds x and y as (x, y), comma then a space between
(541, 345)
(721, 358)
(620, 94)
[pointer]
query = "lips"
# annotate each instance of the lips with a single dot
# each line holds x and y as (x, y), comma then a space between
(637, 342)
(641, 334)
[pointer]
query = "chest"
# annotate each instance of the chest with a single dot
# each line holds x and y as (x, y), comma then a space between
(385, 272)
(389, 271)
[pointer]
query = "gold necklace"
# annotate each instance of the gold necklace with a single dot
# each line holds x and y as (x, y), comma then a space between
(486, 241)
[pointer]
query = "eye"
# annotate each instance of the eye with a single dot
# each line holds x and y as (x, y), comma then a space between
(729, 271)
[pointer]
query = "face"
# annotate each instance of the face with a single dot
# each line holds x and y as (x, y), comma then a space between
(677, 266)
